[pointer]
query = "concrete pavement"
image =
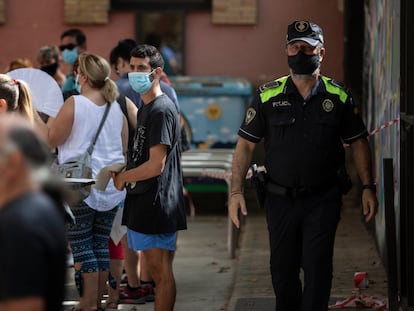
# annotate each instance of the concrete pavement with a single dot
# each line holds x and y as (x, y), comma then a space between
(202, 267)
(354, 251)
(208, 280)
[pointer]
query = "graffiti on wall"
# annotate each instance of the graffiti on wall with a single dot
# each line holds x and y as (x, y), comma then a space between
(381, 92)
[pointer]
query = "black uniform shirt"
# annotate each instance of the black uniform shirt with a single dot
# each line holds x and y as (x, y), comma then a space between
(303, 139)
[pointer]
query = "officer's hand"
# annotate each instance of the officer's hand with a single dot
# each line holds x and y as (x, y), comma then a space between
(237, 201)
(369, 204)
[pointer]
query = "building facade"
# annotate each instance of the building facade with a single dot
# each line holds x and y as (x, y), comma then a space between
(209, 37)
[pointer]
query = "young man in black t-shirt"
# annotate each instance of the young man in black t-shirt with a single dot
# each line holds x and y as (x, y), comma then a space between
(154, 207)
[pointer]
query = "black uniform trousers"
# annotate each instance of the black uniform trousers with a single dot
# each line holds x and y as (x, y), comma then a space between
(302, 233)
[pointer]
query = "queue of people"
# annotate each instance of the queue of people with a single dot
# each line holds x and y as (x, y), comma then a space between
(141, 128)
(90, 93)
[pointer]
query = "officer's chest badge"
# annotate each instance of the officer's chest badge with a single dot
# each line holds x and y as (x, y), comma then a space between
(250, 114)
(328, 105)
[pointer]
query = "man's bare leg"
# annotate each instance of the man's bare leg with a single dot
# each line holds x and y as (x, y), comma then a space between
(159, 262)
(130, 263)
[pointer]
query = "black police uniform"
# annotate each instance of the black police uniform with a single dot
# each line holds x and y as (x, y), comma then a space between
(303, 141)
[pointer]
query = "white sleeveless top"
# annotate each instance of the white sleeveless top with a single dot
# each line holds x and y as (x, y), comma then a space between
(108, 147)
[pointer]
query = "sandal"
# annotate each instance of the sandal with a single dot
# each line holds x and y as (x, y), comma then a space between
(111, 306)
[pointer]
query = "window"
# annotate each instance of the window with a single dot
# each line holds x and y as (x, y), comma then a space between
(2, 11)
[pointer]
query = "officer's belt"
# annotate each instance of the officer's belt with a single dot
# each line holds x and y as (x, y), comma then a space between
(292, 193)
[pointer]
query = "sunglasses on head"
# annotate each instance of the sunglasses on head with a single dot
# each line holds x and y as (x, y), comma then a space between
(69, 46)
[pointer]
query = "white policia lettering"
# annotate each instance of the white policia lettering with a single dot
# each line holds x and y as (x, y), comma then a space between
(283, 103)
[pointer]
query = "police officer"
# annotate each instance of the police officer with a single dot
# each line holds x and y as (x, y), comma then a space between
(304, 119)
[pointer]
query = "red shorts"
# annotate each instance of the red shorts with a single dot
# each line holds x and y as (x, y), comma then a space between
(115, 251)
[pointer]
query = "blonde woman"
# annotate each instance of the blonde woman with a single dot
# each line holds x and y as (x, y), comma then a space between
(71, 132)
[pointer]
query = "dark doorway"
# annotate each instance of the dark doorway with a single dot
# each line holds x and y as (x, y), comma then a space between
(164, 30)
(354, 46)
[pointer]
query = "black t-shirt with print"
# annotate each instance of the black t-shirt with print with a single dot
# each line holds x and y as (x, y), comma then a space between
(161, 208)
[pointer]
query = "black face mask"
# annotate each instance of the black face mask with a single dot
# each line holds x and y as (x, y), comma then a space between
(50, 69)
(303, 64)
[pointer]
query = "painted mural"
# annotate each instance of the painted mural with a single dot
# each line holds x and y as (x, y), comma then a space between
(213, 108)
(381, 93)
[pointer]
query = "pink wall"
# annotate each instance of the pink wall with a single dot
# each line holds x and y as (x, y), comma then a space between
(255, 52)
(32, 24)
(258, 52)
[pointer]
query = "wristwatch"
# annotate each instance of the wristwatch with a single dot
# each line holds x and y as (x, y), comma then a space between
(372, 186)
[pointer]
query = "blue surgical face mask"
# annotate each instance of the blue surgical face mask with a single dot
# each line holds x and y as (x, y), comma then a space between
(69, 56)
(77, 86)
(140, 81)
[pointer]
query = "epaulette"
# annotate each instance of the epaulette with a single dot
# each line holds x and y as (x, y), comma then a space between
(268, 85)
(337, 84)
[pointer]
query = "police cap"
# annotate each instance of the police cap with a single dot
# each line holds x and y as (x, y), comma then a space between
(305, 31)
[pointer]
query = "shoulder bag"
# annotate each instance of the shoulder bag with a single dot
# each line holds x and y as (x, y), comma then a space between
(79, 167)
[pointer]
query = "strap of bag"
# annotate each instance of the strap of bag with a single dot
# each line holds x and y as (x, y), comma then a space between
(122, 103)
(92, 145)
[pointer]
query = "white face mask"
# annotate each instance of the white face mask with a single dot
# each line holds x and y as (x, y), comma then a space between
(77, 86)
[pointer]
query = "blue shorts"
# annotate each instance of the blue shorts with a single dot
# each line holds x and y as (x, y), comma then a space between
(141, 241)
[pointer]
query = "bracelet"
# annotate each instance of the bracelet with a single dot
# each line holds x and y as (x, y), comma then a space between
(369, 186)
(236, 193)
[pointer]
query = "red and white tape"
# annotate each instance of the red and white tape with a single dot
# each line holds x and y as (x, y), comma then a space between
(380, 128)
(384, 126)
(227, 175)
(359, 300)
(217, 175)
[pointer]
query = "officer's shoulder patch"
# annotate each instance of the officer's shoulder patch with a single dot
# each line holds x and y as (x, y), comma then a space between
(250, 114)
(269, 85)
